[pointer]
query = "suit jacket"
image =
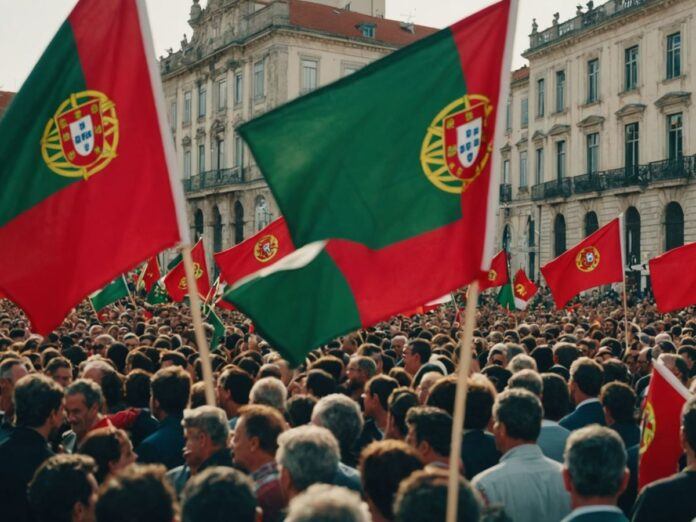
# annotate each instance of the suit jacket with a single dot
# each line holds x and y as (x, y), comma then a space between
(629, 433)
(20, 456)
(669, 499)
(180, 475)
(586, 413)
(478, 452)
(552, 439)
(596, 514)
(165, 445)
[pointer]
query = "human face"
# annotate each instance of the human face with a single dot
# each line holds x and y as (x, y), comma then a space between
(368, 403)
(355, 374)
(194, 447)
(62, 376)
(411, 361)
(243, 446)
(80, 417)
(131, 343)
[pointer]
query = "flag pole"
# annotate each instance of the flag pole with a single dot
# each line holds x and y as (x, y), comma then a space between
(203, 350)
(465, 353)
(625, 307)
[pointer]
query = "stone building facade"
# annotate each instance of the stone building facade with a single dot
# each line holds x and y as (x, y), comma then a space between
(245, 58)
(601, 122)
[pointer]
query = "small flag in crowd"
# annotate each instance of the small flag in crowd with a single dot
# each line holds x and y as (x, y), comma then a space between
(497, 274)
(517, 294)
(158, 294)
(149, 275)
(597, 260)
(117, 289)
(660, 447)
(175, 281)
(74, 143)
(218, 326)
(674, 279)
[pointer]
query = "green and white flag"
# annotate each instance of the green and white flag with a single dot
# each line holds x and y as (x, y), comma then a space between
(117, 289)
(157, 294)
(218, 326)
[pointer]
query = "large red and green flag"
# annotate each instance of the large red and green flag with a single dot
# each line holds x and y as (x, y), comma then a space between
(674, 279)
(386, 182)
(263, 249)
(117, 289)
(660, 447)
(175, 281)
(497, 274)
(149, 275)
(597, 260)
(87, 184)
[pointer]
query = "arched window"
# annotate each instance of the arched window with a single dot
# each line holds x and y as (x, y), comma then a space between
(674, 226)
(591, 223)
(632, 236)
(217, 230)
(506, 238)
(198, 223)
(238, 222)
(559, 235)
(262, 216)
(531, 248)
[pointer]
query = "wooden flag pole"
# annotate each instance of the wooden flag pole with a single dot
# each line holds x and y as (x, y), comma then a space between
(465, 351)
(625, 307)
(203, 350)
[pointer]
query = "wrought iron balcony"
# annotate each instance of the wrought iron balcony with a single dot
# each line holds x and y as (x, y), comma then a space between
(213, 179)
(505, 193)
(552, 189)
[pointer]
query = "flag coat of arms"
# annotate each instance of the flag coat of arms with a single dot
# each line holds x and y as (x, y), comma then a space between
(674, 279)
(386, 213)
(175, 281)
(497, 274)
(87, 186)
(597, 260)
(149, 275)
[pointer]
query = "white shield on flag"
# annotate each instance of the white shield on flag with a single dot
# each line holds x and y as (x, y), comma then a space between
(469, 142)
(82, 132)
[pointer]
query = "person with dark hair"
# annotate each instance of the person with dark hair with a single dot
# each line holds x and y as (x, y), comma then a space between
(498, 375)
(38, 406)
(564, 354)
(416, 354)
(526, 483)
(360, 369)
(170, 390)
(255, 444)
(138, 494)
(673, 498)
(430, 434)
(401, 376)
(330, 364)
(172, 358)
(383, 465)
(111, 449)
(376, 407)
(618, 400)
(422, 497)
(320, 383)
(300, 408)
(586, 378)
(11, 370)
(233, 388)
(543, 355)
(217, 493)
(60, 370)
(117, 354)
(556, 400)
(595, 474)
(401, 400)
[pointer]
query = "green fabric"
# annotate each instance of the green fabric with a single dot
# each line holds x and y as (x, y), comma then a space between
(506, 297)
(158, 294)
(301, 309)
(24, 176)
(174, 262)
(117, 289)
(218, 326)
(344, 161)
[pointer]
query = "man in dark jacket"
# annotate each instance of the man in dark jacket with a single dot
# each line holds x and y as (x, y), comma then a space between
(586, 378)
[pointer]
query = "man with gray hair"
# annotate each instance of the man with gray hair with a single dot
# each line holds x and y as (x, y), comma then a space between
(521, 361)
(324, 503)
(595, 474)
(11, 370)
(271, 392)
(83, 409)
(306, 455)
(205, 433)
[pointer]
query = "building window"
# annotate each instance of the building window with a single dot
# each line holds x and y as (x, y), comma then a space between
(217, 231)
(219, 154)
(674, 136)
(593, 80)
(506, 172)
(674, 226)
(507, 238)
(309, 75)
(632, 223)
(201, 159)
(238, 152)
(673, 55)
(262, 216)
(591, 223)
(523, 169)
(524, 117)
(541, 97)
(560, 160)
(202, 100)
(531, 243)
(632, 150)
(198, 224)
(259, 80)
(560, 91)
(559, 235)
(539, 166)
(187, 164)
(367, 30)
(238, 222)
(172, 114)
(631, 73)
(238, 88)
(508, 114)
(187, 107)
(592, 153)
(221, 94)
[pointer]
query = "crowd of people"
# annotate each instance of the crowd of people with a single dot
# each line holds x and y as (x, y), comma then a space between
(106, 420)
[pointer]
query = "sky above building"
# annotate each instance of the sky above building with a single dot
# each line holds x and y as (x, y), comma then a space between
(27, 26)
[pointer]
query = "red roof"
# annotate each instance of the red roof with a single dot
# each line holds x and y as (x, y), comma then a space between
(520, 74)
(5, 99)
(347, 23)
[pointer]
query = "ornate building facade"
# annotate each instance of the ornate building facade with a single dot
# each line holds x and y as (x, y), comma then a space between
(244, 58)
(601, 122)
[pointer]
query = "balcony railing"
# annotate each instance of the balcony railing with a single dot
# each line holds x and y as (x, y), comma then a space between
(213, 179)
(589, 18)
(505, 193)
(683, 168)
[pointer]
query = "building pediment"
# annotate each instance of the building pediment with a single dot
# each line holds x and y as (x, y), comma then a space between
(218, 127)
(630, 109)
(538, 136)
(591, 121)
(200, 134)
(674, 98)
(505, 149)
(522, 141)
(558, 129)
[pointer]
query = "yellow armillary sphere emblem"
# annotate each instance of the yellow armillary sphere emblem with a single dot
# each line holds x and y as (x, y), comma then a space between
(82, 137)
(587, 259)
(458, 143)
(648, 431)
(197, 272)
(266, 248)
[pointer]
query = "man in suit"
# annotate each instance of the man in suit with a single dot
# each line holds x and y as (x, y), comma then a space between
(595, 474)
(673, 498)
(586, 378)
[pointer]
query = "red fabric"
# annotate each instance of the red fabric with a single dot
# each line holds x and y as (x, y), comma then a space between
(247, 257)
(497, 275)
(660, 448)
(522, 287)
(78, 239)
(151, 274)
(565, 277)
(175, 281)
(674, 278)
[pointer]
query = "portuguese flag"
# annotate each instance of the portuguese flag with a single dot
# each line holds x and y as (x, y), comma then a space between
(149, 275)
(117, 289)
(175, 281)
(497, 274)
(674, 279)
(87, 190)
(384, 179)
